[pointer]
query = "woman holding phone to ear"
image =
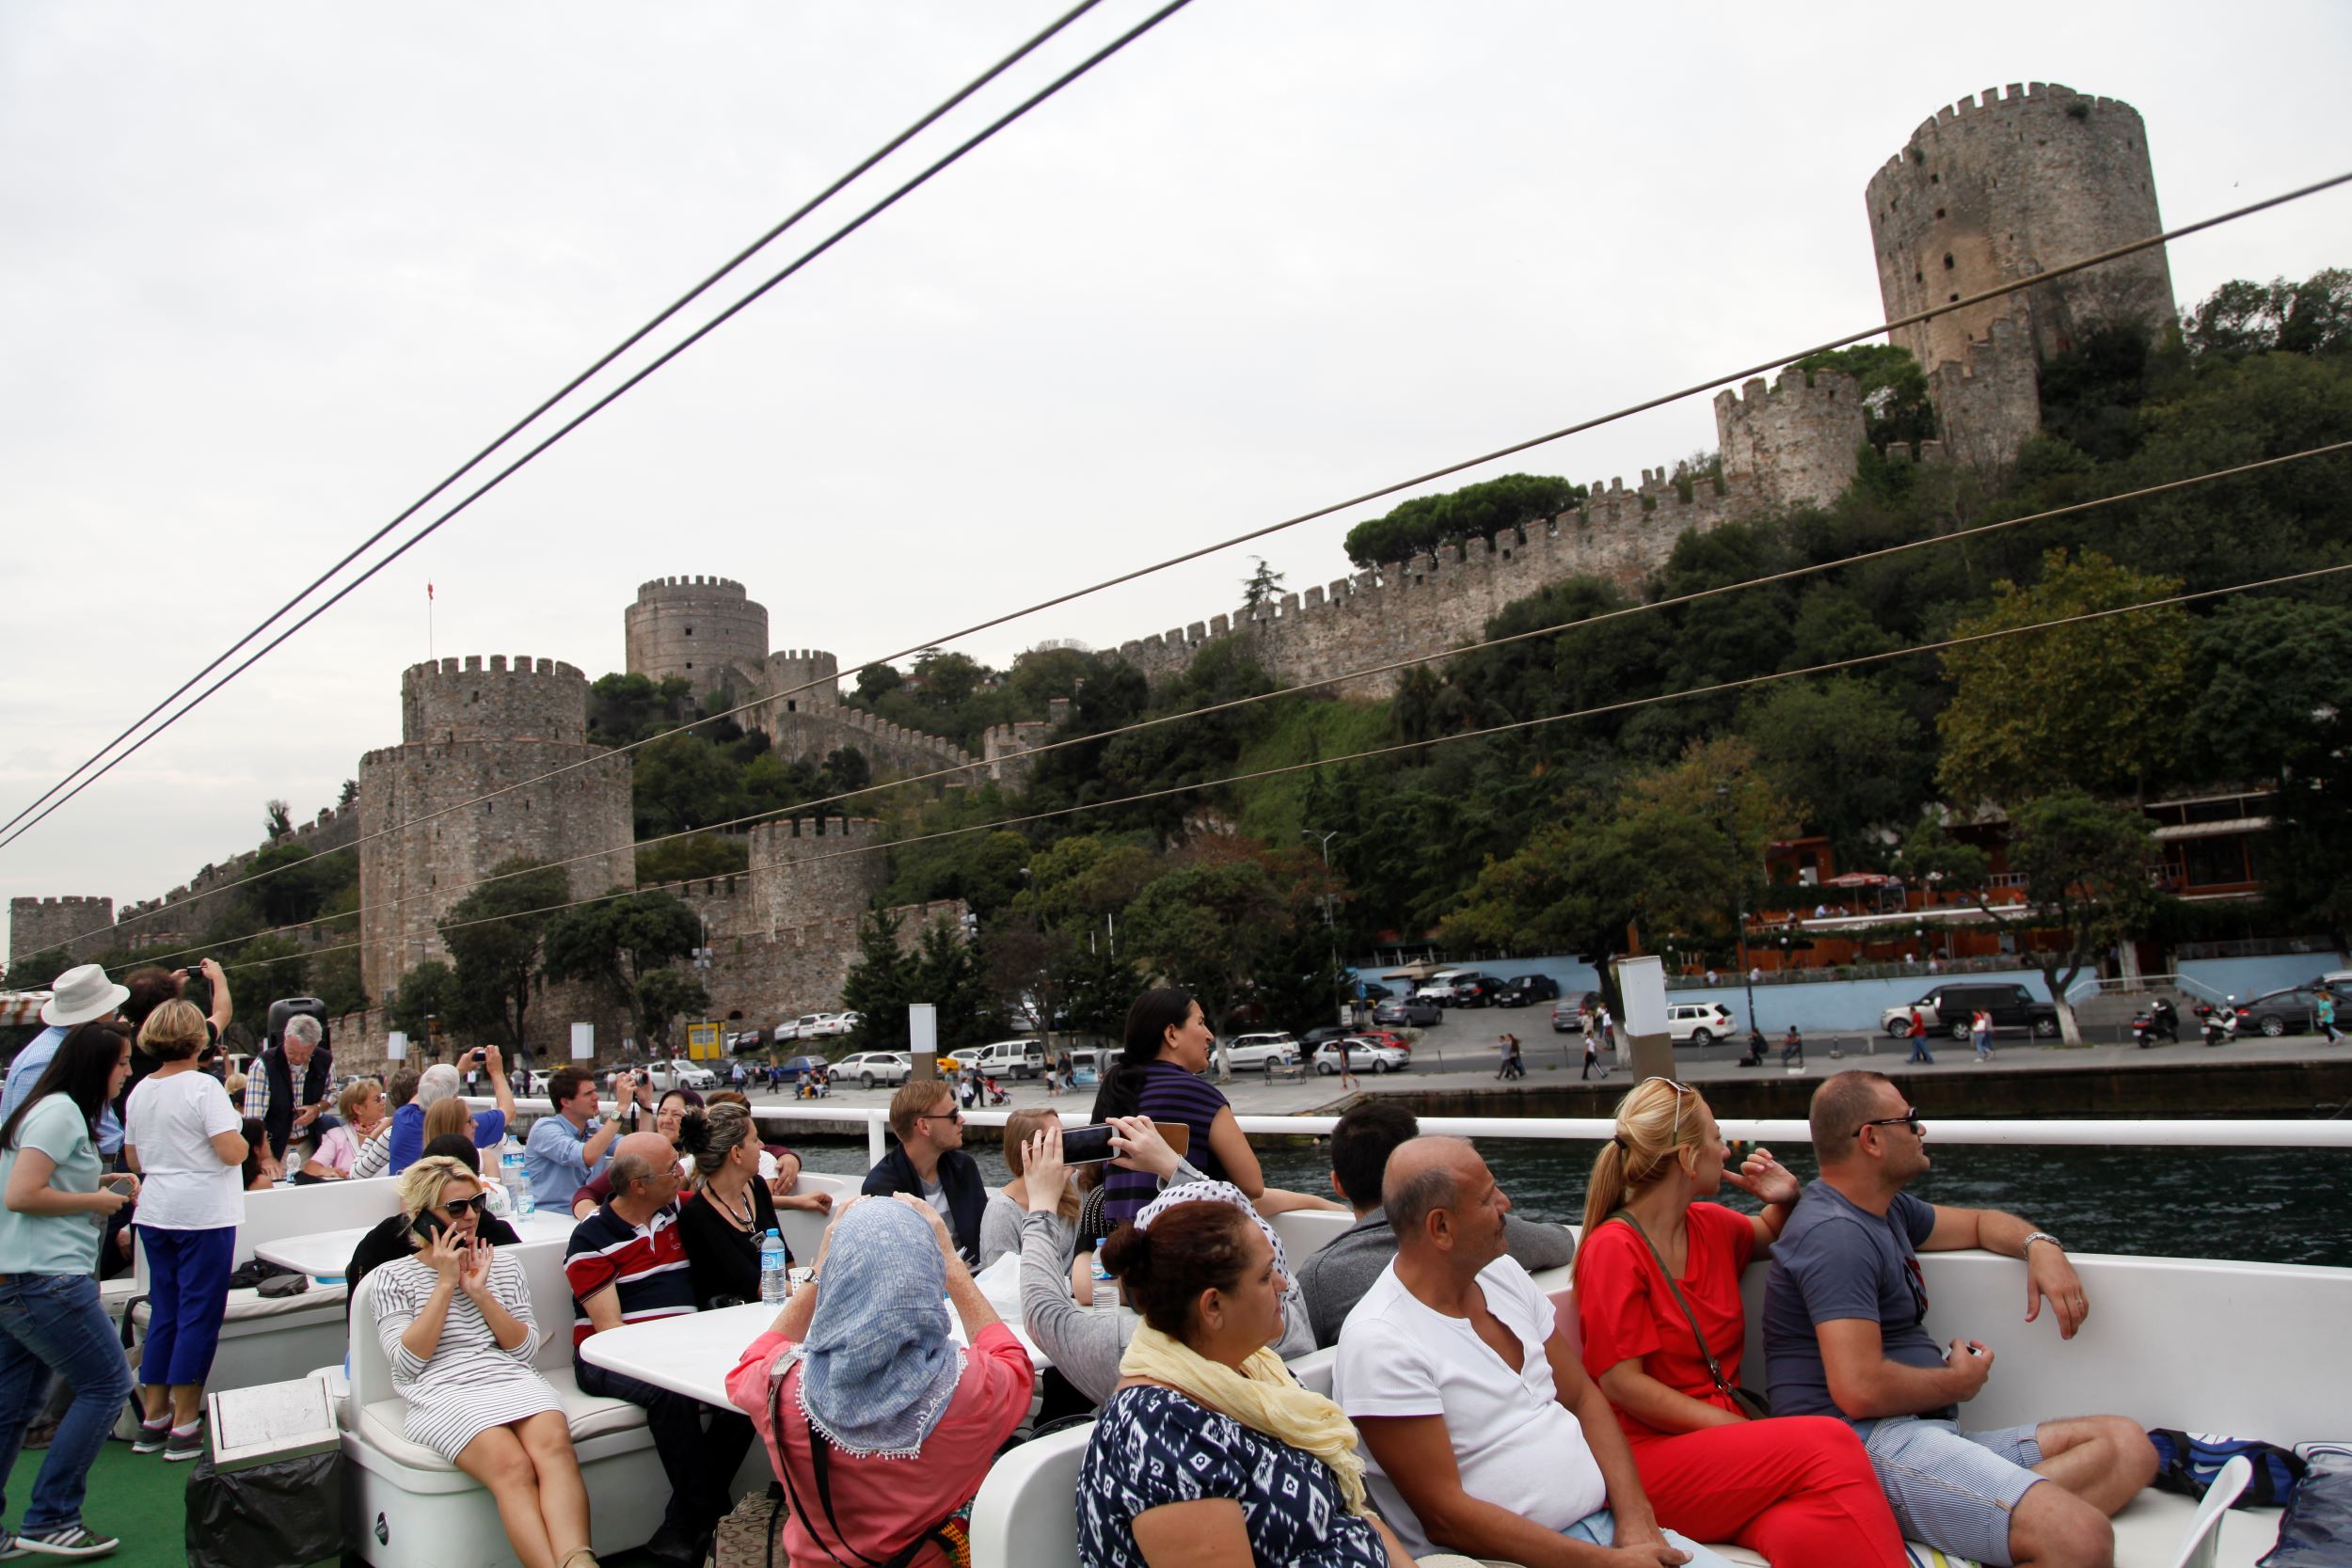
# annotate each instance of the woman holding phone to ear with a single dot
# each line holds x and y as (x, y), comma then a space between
(454, 1319)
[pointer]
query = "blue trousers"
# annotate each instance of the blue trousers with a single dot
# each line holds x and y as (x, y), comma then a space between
(188, 1295)
(53, 1322)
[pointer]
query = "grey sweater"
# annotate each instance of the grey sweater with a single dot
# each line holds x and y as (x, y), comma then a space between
(1336, 1278)
(1085, 1343)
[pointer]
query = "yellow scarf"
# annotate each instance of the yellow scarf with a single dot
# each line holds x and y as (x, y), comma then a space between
(1263, 1396)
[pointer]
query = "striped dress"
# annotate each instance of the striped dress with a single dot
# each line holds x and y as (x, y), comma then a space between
(469, 1385)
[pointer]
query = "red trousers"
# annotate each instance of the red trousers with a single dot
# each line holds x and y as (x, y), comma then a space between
(1799, 1489)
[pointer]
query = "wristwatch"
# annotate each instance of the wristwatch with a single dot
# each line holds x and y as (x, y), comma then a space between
(2040, 1235)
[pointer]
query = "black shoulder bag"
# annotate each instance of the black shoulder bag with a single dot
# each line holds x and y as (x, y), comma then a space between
(1752, 1405)
(819, 1458)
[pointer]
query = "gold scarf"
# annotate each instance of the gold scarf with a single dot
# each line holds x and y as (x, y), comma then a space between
(1263, 1396)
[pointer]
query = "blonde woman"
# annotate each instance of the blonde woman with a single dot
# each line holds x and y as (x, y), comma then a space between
(1001, 1221)
(1657, 1299)
(454, 1319)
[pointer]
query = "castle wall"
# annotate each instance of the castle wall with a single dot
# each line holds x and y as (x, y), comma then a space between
(1006, 745)
(38, 924)
(409, 878)
(801, 730)
(704, 630)
(180, 918)
(800, 965)
(792, 668)
(2007, 186)
(812, 869)
(1795, 445)
(1988, 403)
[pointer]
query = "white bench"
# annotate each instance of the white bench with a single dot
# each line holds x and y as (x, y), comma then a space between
(2140, 1355)
(269, 1339)
(805, 1229)
(409, 1508)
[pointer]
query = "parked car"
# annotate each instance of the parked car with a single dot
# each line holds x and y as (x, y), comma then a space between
(1522, 990)
(1445, 987)
(1477, 990)
(1411, 1011)
(1265, 1052)
(1004, 1058)
(1374, 991)
(793, 1068)
(1381, 1037)
(870, 1067)
(1700, 1023)
(664, 1076)
(2293, 1011)
(1567, 1014)
(1946, 1010)
(1364, 1055)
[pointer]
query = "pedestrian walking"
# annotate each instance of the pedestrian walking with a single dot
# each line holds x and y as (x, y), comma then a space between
(1347, 1076)
(1514, 1061)
(2325, 1011)
(1981, 1033)
(1919, 1051)
(1591, 1056)
(1792, 1046)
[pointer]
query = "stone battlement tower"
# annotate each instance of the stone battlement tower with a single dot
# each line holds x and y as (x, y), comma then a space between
(2006, 186)
(816, 868)
(1794, 445)
(84, 928)
(467, 730)
(788, 667)
(704, 630)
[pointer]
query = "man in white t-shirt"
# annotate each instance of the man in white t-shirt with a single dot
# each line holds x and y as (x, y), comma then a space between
(1481, 1431)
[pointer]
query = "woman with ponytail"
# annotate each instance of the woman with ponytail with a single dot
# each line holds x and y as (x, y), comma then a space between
(1658, 1300)
(730, 1211)
(1160, 1074)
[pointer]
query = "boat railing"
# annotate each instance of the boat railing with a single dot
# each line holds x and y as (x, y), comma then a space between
(2268, 1133)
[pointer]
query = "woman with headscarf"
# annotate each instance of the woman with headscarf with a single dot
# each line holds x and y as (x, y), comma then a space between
(1209, 1450)
(1085, 1346)
(878, 1424)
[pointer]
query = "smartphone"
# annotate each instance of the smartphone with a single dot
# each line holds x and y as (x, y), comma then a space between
(428, 1225)
(1087, 1146)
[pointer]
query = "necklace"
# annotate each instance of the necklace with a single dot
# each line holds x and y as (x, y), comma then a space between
(743, 1218)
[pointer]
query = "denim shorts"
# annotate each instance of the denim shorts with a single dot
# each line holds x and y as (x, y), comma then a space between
(1952, 1489)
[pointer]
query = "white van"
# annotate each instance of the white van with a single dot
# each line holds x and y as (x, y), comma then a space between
(1004, 1058)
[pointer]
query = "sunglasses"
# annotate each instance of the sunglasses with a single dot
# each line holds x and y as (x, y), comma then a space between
(1679, 1089)
(479, 1203)
(953, 1113)
(1909, 1118)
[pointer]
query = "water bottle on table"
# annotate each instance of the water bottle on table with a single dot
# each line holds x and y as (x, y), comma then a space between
(773, 1286)
(515, 1180)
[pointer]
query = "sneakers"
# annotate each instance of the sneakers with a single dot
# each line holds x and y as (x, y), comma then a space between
(152, 1436)
(67, 1541)
(182, 1445)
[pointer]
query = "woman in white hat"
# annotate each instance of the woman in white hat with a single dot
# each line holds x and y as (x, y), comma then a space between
(80, 995)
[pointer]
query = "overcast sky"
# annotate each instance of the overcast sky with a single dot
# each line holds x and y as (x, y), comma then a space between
(271, 269)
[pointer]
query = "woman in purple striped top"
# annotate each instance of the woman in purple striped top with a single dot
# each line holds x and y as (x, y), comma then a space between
(1159, 1075)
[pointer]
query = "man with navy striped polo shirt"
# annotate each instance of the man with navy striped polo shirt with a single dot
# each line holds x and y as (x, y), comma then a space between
(627, 1263)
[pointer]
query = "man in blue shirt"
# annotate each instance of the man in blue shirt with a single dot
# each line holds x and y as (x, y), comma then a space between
(436, 1083)
(1845, 1333)
(76, 997)
(566, 1148)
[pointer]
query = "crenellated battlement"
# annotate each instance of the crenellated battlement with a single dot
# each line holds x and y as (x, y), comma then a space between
(661, 588)
(458, 700)
(82, 924)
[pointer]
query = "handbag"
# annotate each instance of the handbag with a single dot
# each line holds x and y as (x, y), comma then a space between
(1750, 1404)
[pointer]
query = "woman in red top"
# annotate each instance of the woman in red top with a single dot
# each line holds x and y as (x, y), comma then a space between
(860, 1363)
(1799, 1489)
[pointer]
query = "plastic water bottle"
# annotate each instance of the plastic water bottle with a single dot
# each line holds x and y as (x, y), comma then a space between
(772, 1284)
(515, 1179)
(1102, 1274)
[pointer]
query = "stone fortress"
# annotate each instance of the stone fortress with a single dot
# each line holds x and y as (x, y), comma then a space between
(1990, 190)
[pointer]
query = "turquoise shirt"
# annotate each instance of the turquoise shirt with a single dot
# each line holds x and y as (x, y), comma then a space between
(54, 1243)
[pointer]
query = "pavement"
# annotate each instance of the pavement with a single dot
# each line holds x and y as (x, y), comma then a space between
(1462, 1054)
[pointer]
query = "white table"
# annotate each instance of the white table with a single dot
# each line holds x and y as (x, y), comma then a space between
(324, 1255)
(692, 1353)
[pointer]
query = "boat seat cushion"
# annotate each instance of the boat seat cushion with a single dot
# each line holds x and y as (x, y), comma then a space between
(249, 1304)
(2148, 1534)
(588, 1415)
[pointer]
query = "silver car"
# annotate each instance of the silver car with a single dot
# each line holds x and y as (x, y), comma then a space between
(870, 1067)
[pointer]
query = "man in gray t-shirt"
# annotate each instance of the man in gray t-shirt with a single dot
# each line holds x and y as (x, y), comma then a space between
(1845, 1333)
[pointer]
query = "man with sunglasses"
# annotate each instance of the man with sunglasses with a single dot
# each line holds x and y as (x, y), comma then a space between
(1845, 1333)
(929, 1161)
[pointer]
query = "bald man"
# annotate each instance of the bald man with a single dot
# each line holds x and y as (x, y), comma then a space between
(626, 1264)
(1482, 1433)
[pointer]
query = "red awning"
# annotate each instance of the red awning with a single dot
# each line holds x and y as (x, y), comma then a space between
(1858, 878)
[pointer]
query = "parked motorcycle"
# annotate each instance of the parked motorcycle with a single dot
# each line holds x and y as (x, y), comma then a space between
(2159, 1022)
(2221, 1021)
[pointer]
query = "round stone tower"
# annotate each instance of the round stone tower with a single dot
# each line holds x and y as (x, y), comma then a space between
(465, 730)
(704, 630)
(1990, 191)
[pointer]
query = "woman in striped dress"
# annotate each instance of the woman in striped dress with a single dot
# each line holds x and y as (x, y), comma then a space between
(454, 1317)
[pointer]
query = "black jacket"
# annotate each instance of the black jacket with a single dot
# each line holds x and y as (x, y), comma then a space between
(317, 1079)
(959, 1176)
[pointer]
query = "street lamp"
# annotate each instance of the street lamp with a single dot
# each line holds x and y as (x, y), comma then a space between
(1331, 933)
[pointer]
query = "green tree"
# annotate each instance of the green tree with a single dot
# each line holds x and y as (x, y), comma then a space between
(1894, 392)
(948, 975)
(1262, 587)
(621, 945)
(335, 981)
(1210, 929)
(2091, 706)
(693, 858)
(880, 984)
(493, 936)
(266, 969)
(1845, 749)
(663, 995)
(278, 819)
(1479, 511)
(429, 990)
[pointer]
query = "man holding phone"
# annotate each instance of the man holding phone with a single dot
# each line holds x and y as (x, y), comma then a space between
(566, 1148)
